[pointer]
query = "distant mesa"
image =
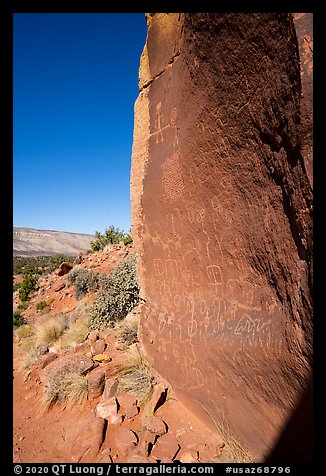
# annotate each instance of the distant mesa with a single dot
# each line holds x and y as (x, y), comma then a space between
(32, 242)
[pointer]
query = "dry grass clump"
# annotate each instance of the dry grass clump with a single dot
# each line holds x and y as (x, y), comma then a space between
(134, 375)
(23, 331)
(127, 330)
(76, 333)
(28, 355)
(50, 330)
(71, 389)
(234, 450)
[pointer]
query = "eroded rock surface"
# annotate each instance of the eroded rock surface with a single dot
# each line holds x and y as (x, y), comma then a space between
(222, 217)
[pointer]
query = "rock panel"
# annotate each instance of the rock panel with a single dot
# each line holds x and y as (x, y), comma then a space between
(222, 218)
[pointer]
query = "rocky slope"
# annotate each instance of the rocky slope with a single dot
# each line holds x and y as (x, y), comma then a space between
(221, 191)
(111, 425)
(31, 242)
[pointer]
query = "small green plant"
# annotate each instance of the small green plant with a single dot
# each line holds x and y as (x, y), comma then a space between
(40, 306)
(71, 389)
(28, 286)
(112, 236)
(118, 296)
(22, 306)
(84, 281)
(16, 286)
(127, 240)
(18, 318)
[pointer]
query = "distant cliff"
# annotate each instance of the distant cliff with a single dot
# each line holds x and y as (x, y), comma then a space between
(31, 242)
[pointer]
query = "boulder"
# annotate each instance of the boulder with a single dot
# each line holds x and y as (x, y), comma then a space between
(155, 425)
(59, 286)
(166, 448)
(102, 358)
(96, 380)
(107, 408)
(222, 204)
(64, 268)
(45, 359)
(88, 441)
(110, 388)
(68, 364)
(93, 336)
(189, 456)
(41, 349)
(98, 347)
(126, 402)
(125, 440)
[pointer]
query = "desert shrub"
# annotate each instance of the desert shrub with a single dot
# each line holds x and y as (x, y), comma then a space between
(16, 286)
(84, 281)
(135, 376)
(28, 286)
(127, 239)
(22, 306)
(42, 305)
(18, 318)
(50, 330)
(118, 296)
(72, 388)
(112, 236)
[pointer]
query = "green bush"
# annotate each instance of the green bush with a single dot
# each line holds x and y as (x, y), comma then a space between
(127, 239)
(84, 281)
(42, 305)
(119, 294)
(16, 286)
(27, 287)
(22, 306)
(18, 319)
(112, 236)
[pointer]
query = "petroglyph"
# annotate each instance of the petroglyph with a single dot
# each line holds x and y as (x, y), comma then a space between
(172, 179)
(159, 120)
(214, 274)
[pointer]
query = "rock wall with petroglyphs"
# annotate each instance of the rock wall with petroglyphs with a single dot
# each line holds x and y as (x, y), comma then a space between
(222, 216)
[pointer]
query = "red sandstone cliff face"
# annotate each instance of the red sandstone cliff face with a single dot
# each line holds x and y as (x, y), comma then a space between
(222, 216)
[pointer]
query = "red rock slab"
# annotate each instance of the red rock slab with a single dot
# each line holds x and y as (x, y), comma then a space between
(96, 380)
(98, 347)
(154, 424)
(126, 401)
(88, 442)
(68, 364)
(46, 359)
(107, 408)
(165, 448)
(222, 209)
(93, 336)
(58, 287)
(125, 440)
(110, 388)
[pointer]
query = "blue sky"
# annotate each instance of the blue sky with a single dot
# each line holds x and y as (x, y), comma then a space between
(75, 84)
